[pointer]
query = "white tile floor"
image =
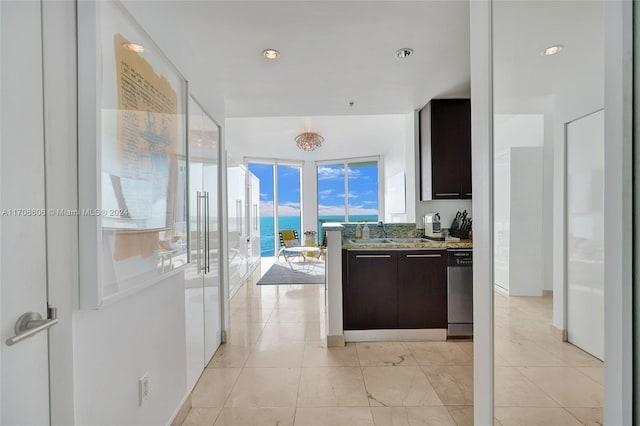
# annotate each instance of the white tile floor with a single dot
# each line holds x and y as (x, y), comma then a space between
(277, 370)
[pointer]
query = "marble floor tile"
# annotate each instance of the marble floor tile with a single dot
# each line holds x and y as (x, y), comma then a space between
(588, 416)
(243, 416)
(467, 348)
(568, 386)
(316, 331)
(250, 316)
(530, 416)
(201, 416)
(438, 353)
(243, 335)
(214, 387)
(334, 416)
(384, 354)
(513, 389)
(461, 414)
(276, 354)
(399, 387)
(570, 355)
(230, 356)
(332, 387)
(265, 387)
(524, 353)
(316, 354)
(412, 416)
(453, 384)
(274, 331)
(595, 373)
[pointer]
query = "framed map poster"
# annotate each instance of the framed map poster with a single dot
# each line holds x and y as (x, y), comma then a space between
(132, 157)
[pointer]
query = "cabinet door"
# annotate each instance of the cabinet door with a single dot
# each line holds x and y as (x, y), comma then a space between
(371, 293)
(450, 148)
(422, 289)
(445, 150)
(465, 149)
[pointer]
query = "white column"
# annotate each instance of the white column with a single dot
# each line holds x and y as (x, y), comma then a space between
(333, 264)
(482, 175)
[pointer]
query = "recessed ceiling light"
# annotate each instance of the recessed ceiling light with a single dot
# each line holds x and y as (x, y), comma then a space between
(138, 48)
(403, 53)
(552, 50)
(271, 53)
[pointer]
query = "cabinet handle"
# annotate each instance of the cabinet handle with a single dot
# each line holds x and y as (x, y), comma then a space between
(370, 256)
(447, 194)
(424, 255)
(469, 193)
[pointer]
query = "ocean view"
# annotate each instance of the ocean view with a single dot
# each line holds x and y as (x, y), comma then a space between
(293, 222)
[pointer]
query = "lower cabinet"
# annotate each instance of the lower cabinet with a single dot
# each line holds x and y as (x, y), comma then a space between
(422, 289)
(370, 296)
(394, 289)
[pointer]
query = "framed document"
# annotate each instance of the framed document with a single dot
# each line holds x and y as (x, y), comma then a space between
(132, 157)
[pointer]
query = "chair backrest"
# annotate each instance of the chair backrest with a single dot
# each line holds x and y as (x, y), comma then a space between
(287, 235)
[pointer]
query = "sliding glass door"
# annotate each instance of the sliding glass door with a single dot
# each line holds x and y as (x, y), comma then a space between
(281, 187)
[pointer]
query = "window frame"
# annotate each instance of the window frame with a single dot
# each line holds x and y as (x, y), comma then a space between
(345, 163)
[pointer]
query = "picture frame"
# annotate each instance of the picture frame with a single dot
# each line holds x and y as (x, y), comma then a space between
(132, 152)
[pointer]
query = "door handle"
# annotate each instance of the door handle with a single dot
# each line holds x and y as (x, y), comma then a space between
(32, 323)
(447, 194)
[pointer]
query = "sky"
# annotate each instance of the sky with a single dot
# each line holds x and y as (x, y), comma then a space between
(362, 181)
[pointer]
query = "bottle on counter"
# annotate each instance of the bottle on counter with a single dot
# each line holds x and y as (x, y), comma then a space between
(358, 231)
(366, 232)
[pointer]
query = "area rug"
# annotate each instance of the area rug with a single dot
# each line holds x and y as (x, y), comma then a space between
(311, 272)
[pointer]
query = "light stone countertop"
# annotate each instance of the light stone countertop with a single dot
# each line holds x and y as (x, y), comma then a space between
(462, 244)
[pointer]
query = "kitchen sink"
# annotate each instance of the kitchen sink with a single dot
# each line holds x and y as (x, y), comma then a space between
(406, 240)
(370, 241)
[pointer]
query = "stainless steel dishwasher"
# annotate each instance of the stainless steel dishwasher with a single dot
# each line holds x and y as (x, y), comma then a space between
(460, 293)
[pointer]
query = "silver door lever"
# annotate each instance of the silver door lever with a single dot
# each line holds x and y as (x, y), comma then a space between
(32, 323)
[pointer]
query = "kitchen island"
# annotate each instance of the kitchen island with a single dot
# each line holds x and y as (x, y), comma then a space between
(387, 288)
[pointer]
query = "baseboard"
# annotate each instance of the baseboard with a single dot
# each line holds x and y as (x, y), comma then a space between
(393, 335)
(336, 341)
(182, 412)
(559, 333)
(500, 290)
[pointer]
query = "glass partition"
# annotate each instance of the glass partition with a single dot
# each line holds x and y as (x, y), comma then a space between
(548, 87)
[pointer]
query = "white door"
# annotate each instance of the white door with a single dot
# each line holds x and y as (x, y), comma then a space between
(212, 287)
(585, 233)
(194, 293)
(23, 280)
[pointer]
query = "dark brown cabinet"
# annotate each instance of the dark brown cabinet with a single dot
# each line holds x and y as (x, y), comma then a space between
(422, 289)
(370, 291)
(394, 289)
(445, 149)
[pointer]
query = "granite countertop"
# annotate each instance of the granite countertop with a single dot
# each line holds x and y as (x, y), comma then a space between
(417, 244)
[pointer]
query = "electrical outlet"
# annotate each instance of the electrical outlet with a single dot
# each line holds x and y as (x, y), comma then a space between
(143, 388)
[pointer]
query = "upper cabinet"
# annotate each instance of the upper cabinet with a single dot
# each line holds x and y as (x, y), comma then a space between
(445, 149)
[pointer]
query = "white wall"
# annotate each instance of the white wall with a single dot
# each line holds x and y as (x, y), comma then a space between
(446, 208)
(583, 97)
(525, 238)
(116, 345)
(97, 356)
(400, 159)
(518, 203)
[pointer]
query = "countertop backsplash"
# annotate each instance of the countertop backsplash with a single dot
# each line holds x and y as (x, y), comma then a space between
(397, 230)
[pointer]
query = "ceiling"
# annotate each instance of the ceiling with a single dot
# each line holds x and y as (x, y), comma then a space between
(523, 29)
(332, 52)
(345, 136)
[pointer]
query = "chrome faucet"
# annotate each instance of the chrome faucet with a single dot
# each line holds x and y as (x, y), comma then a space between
(384, 229)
